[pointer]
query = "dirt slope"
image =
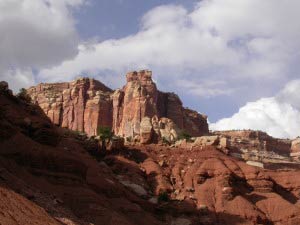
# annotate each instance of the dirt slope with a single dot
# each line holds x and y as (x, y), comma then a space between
(48, 176)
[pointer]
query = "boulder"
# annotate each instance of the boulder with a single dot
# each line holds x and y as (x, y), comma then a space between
(168, 130)
(296, 145)
(206, 141)
(3, 86)
(117, 143)
(224, 142)
(146, 131)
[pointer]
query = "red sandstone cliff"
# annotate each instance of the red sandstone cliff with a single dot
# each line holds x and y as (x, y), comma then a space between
(85, 104)
(81, 105)
(140, 98)
(49, 175)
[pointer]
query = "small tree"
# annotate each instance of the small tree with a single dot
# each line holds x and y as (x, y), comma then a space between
(23, 95)
(163, 197)
(105, 135)
(184, 135)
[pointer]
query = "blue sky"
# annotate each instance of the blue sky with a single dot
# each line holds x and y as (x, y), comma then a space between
(113, 19)
(236, 61)
(105, 19)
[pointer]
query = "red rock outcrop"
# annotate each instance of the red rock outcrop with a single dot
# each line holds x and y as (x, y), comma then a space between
(82, 105)
(86, 104)
(48, 180)
(140, 98)
(256, 140)
(62, 184)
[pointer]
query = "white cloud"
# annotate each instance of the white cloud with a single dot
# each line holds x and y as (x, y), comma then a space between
(166, 41)
(238, 42)
(205, 88)
(35, 34)
(222, 47)
(279, 116)
(18, 78)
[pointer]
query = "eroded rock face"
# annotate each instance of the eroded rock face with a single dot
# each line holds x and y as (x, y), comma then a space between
(137, 99)
(167, 129)
(256, 140)
(64, 184)
(82, 105)
(146, 130)
(86, 104)
(296, 145)
(140, 98)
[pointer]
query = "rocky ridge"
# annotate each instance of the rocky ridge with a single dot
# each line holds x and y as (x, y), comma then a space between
(51, 175)
(137, 111)
(255, 147)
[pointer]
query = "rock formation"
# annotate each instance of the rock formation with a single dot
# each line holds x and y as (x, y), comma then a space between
(296, 145)
(256, 140)
(82, 105)
(254, 147)
(49, 175)
(139, 98)
(138, 110)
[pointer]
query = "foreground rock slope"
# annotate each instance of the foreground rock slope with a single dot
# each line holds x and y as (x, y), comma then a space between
(86, 104)
(47, 175)
(50, 175)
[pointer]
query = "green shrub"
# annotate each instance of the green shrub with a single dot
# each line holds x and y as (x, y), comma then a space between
(184, 135)
(165, 141)
(129, 139)
(163, 197)
(105, 135)
(24, 96)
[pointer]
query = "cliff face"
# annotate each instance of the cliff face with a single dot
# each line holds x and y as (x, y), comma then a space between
(86, 104)
(81, 105)
(140, 98)
(49, 175)
(137, 99)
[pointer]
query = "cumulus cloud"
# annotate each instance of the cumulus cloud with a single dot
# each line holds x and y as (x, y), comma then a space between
(238, 42)
(18, 78)
(35, 34)
(205, 89)
(239, 49)
(279, 116)
(164, 43)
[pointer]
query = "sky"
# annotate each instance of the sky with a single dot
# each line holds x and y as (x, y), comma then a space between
(235, 61)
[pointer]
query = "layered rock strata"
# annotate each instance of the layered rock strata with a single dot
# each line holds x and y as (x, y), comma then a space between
(138, 110)
(256, 141)
(140, 98)
(82, 105)
(49, 175)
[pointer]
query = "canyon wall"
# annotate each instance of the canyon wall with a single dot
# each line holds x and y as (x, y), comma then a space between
(82, 105)
(86, 104)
